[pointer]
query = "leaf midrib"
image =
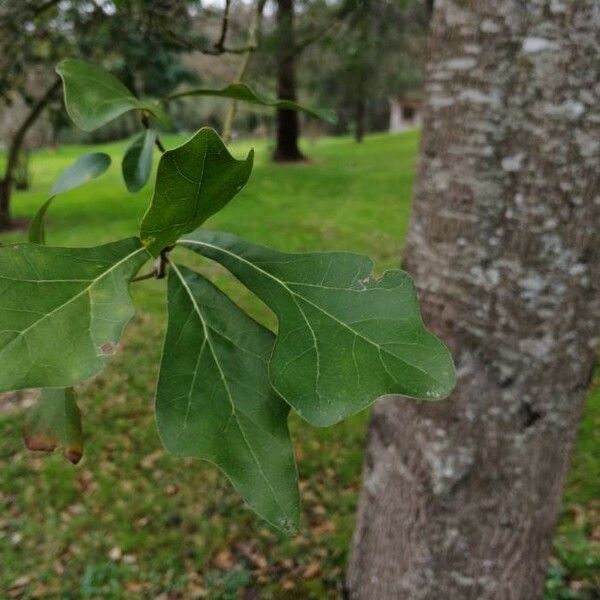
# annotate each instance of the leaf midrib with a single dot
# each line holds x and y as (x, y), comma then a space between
(226, 385)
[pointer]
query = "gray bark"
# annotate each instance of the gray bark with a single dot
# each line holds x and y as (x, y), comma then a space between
(460, 497)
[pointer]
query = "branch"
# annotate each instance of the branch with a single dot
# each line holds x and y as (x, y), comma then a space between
(214, 51)
(343, 15)
(253, 34)
(220, 44)
(30, 119)
(219, 47)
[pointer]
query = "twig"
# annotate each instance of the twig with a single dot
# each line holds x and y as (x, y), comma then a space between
(163, 262)
(160, 267)
(253, 34)
(159, 145)
(157, 141)
(220, 44)
(219, 47)
(211, 51)
(343, 15)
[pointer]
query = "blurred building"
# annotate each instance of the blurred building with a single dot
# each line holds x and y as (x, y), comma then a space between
(405, 113)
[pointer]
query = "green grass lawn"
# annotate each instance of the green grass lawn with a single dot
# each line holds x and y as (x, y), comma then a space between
(131, 521)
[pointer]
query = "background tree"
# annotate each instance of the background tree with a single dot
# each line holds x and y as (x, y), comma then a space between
(359, 60)
(288, 131)
(28, 46)
(374, 54)
(460, 498)
(138, 39)
(138, 35)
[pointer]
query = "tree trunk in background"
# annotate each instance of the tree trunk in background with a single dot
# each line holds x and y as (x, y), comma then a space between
(287, 120)
(5, 219)
(460, 497)
(363, 65)
(14, 149)
(396, 121)
(429, 8)
(360, 113)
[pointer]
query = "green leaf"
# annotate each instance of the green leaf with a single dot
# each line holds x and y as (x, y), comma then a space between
(137, 162)
(214, 399)
(55, 421)
(84, 169)
(240, 91)
(62, 310)
(94, 97)
(37, 228)
(194, 181)
(344, 338)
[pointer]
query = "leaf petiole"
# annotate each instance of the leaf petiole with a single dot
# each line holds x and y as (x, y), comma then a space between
(146, 124)
(160, 267)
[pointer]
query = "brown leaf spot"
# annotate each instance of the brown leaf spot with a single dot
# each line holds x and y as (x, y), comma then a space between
(73, 455)
(39, 443)
(109, 348)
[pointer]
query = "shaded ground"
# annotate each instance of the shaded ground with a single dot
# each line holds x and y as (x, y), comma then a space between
(132, 522)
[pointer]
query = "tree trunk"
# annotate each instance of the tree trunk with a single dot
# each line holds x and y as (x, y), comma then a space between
(429, 8)
(287, 120)
(361, 81)
(22, 176)
(5, 219)
(14, 149)
(360, 113)
(460, 497)
(396, 120)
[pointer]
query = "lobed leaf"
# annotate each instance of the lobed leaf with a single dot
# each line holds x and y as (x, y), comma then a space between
(137, 161)
(193, 182)
(55, 421)
(94, 97)
(84, 169)
(62, 310)
(214, 399)
(240, 91)
(344, 339)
